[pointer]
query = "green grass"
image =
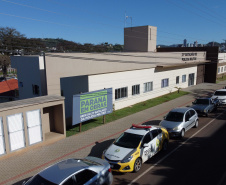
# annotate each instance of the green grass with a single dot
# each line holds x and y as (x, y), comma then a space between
(223, 78)
(124, 112)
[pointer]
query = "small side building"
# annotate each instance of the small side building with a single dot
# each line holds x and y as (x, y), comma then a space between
(28, 123)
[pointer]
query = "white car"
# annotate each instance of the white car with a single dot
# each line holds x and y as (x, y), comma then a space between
(221, 95)
(135, 146)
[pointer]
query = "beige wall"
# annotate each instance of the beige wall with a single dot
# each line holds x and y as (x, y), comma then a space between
(62, 65)
(140, 39)
(57, 113)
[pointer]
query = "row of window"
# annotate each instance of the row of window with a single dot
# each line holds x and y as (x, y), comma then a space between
(123, 92)
(148, 86)
(221, 69)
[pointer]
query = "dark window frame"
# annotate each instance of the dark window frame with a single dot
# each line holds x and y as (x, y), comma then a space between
(136, 89)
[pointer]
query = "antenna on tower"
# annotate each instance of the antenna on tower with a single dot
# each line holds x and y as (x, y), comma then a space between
(126, 17)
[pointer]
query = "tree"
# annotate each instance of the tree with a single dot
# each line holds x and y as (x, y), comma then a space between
(10, 39)
(4, 64)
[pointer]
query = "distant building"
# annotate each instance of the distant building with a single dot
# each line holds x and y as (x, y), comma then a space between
(185, 42)
(195, 44)
(8, 90)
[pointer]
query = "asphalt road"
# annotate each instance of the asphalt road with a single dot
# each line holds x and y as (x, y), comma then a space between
(199, 158)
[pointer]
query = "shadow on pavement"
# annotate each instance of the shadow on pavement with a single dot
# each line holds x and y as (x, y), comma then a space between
(98, 149)
(21, 181)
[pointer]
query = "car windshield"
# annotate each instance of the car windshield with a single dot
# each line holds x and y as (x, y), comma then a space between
(202, 101)
(128, 140)
(37, 180)
(174, 116)
(220, 93)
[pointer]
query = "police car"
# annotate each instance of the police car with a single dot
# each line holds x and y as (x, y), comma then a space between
(135, 146)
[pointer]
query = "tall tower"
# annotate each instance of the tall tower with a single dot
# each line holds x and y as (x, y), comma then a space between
(140, 39)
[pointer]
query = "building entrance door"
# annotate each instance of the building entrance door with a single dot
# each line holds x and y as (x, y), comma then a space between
(191, 79)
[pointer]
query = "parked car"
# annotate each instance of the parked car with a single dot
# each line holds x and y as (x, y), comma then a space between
(221, 95)
(180, 120)
(135, 146)
(90, 170)
(203, 106)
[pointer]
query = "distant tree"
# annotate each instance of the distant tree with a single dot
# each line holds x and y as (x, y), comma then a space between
(10, 39)
(4, 64)
(118, 47)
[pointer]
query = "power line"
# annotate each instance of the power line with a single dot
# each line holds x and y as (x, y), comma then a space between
(63, 15)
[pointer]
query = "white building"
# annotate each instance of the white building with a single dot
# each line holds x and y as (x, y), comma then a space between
(133, 76)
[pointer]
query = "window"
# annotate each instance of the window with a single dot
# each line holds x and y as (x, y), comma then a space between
(222, 69)
(155, 133)
(147, 138)
(177, 80)
(148, 86)
(135, 89)
(35, 89)
(192, 112)
(121, 93)
(187, 116)
(165, 82)
(219, 70)
(84, 176)
(21, 84)
(183, 78)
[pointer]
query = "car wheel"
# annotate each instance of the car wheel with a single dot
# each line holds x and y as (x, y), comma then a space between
(182, 133)
(196, 124)
(137, 164)
(165, 145)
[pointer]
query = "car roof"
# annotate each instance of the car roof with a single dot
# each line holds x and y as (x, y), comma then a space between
(181, 109)
(60, 171)
(140, 131)
(221, 90)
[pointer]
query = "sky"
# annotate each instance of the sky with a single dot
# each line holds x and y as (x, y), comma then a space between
(98, 21)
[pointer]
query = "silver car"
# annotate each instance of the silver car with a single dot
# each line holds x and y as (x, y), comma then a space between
(180, 120)
(221, 95)
(90, 170)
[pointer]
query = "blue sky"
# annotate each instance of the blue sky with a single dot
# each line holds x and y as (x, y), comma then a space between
(97, 21)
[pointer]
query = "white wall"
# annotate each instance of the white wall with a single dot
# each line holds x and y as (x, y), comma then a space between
(130, 78)
(28, 73)
(222, 57)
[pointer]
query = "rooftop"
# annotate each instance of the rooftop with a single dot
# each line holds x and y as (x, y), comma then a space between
(8, 85)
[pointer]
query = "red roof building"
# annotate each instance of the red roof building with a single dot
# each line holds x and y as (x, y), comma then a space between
(8, 86)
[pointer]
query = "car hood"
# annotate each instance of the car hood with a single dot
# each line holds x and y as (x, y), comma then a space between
(199, 107)
(169, 124)
(116, 152)
(219, 97)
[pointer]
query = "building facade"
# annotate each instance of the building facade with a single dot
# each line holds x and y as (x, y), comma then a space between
(134, 76)
(28, 123)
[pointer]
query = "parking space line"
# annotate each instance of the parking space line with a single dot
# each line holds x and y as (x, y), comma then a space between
(149, 169)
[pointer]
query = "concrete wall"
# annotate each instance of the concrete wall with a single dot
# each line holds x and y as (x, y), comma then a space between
(71, 86)
(30, 72)
(140, 39)
(57, 116)
(130, 78)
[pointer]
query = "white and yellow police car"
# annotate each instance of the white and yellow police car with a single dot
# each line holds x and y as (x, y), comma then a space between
(135, 146)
